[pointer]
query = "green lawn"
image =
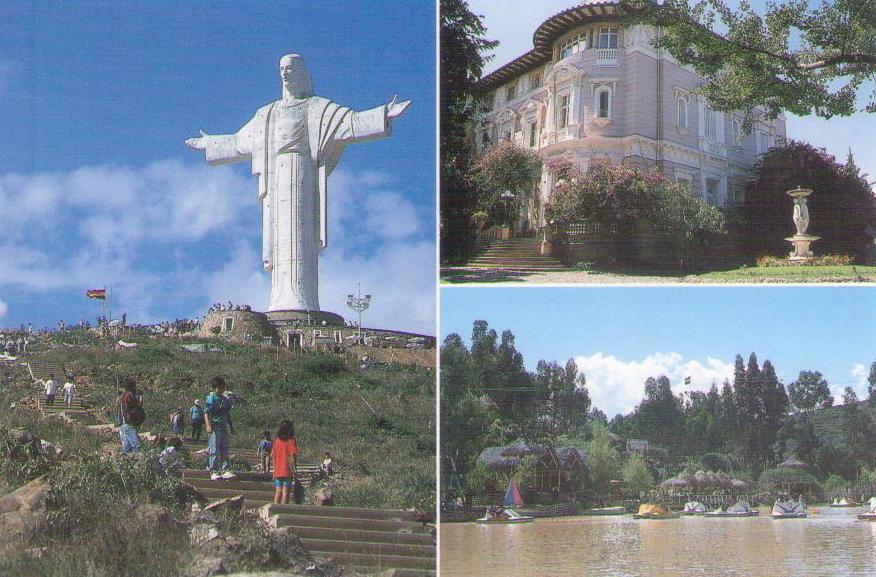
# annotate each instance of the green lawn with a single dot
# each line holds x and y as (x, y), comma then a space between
(790, 274)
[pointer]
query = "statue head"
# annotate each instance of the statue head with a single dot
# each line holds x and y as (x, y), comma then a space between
(295, 76)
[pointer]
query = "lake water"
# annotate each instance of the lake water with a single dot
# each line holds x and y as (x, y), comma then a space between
(830, 543)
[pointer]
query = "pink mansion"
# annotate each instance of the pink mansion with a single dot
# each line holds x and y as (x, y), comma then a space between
(591, 88)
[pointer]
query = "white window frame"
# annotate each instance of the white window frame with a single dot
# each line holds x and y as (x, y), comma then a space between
(683, 120)
(597, 104)
(609, 33)
(716, 201)
(572, 45)
(564, 102)
(227, 324)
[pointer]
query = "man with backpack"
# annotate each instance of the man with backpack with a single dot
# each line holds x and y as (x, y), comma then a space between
(217, 417)
(131, 416)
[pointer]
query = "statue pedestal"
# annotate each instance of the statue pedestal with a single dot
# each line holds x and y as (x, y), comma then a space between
(296, 318)
(801, 244)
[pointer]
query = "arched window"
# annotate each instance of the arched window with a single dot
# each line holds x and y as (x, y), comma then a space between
(682, 112)
(602, 102)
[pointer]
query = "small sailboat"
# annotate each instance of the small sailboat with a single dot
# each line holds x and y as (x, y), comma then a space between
(870, 514)
(506, 515)
(654, 511)
(740, 509)
(789, 509)
(694, 508)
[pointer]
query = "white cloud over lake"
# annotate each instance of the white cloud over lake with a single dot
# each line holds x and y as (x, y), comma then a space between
(617, 385)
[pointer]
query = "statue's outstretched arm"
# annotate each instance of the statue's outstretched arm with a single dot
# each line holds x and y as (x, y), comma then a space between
(376, 122)
(224, 148)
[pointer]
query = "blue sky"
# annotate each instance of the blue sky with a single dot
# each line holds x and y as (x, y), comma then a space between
(621, 335)
(97, 187)
(512, 23)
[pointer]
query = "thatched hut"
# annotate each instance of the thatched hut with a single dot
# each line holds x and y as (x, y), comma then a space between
(557, 469)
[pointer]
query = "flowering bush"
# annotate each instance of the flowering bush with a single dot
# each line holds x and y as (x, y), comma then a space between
(619, 197)
(826, 260)
(506, 167)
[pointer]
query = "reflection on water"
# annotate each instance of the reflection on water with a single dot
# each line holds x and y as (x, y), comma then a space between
(831, 543)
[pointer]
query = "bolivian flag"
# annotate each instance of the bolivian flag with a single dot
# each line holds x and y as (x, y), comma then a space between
(96, 294)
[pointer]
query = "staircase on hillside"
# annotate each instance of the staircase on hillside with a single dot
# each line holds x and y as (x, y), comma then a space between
(367, 539)
(520, 254)
(79, 410)
(40, 369)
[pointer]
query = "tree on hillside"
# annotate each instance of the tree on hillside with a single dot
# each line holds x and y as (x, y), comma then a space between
(463, 56)
(456, 369)
(858, 429)
(842, 207)
(796, 56)
(775, 409)
(797, 437)
(566, 392)
(809, 391)
(703, 421)
(728, 419)
(483, 352)
(659, 416)
(871, 385)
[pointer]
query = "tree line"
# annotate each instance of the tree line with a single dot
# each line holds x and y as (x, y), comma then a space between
(749, 424)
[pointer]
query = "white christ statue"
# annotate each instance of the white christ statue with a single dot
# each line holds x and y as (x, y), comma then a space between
(294, 144)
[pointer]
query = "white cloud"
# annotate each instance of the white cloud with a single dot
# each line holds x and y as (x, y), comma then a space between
(139, 230)
(617, 386)
(859, 374)
(399, 270)
(163, 200)
(3, 308)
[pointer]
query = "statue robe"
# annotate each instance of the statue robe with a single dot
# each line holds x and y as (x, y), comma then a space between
(294, 145)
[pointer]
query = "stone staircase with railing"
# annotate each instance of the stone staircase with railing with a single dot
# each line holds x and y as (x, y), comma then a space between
(518, 254)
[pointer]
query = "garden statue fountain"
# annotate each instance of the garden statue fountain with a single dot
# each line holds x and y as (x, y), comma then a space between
(801, 240)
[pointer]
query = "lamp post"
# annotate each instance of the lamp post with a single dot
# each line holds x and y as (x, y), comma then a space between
(359, 304)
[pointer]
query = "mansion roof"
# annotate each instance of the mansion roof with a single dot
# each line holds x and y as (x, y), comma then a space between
(545, 36)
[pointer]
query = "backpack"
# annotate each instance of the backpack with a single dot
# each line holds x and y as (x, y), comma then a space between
(136, 414)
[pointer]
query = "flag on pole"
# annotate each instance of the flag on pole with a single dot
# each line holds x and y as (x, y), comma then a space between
(96, 294)
(687, 380)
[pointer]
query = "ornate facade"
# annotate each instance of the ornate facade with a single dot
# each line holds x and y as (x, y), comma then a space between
(591, 89)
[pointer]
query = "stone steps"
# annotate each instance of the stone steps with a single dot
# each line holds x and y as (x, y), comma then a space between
(332, 546)
(40, 369)
(354, 523)
(399, 572)
(365, 538)
(363, 535)
(349, 512)
(515, 254)
(382, 562)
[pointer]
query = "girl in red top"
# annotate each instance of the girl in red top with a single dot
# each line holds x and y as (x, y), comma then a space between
(284, 453)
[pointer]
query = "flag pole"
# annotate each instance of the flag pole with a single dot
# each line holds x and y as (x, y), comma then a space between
(109, 296)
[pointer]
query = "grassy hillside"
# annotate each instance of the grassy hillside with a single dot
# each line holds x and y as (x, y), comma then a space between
(386, 459)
